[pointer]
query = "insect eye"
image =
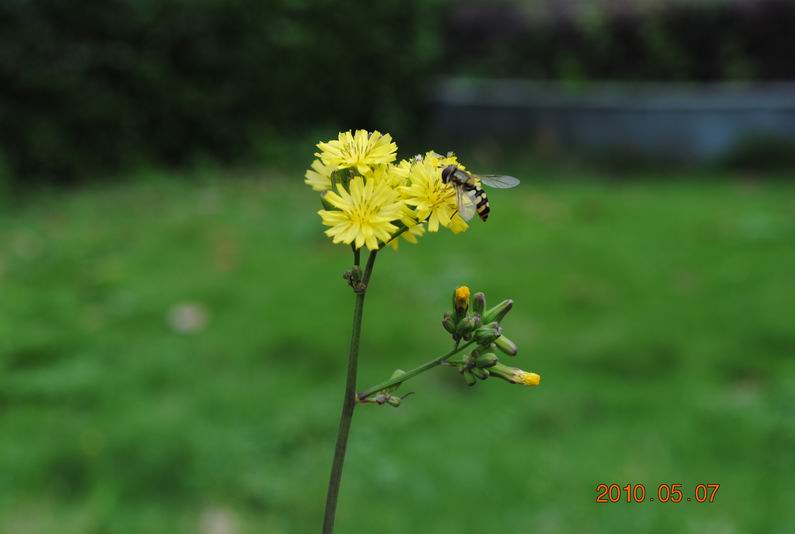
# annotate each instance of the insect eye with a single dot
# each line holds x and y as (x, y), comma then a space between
(447, 172)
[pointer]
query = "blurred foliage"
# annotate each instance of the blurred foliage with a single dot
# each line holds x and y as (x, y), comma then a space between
(763, 153)
(127, 82)
(683, 41)
(130, 83)
(172, 357)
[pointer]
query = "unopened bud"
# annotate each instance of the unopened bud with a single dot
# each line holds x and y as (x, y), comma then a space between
(487, 360)
(506, 345)
(479, 303)
(448, 322)
(466, 326)
(483, 374)
(515, 375)
(469, 377)
(488, 334)
(498, 312)
(461, 301)
(394, 401)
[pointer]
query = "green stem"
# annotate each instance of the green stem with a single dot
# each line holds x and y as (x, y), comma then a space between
(349, 400)
(411, 374)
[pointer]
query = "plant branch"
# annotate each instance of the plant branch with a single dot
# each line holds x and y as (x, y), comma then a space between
(349, 400)
(411, 374)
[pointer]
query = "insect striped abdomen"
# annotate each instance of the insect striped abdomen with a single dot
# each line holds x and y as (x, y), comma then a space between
(483, 205)
(480, 199)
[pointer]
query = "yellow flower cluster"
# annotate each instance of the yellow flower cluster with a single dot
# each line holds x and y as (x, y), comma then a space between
(370, 199)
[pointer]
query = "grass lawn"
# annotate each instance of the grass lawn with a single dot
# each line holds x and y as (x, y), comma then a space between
(172, 358)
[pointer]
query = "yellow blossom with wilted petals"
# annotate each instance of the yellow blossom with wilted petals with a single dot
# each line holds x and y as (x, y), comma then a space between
(360, 150)
(434, 200)
(364, 214)
(319, 176)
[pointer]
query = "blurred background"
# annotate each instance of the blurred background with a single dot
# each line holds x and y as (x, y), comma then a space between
(174, 326)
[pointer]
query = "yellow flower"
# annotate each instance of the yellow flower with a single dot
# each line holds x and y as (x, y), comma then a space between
(457, 224)
(434, 200)
(364, 215)
(361, 150)
(440, 161)
(527, 379)
(394, 175)
(319, 176)
(461, 298)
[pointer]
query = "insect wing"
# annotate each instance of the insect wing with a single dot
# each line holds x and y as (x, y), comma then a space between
(466, 205)
(498, 181)
(462, 177)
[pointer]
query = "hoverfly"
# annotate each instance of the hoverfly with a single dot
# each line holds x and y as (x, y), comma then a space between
(470, 196)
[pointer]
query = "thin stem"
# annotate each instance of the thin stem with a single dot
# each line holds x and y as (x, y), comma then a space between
(349, 400)
(411, 374)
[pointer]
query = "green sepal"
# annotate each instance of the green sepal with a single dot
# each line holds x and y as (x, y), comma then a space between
(342, 176)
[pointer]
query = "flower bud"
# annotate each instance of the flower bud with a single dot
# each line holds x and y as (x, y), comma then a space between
(479, 303)
(466, 326)
(448, 323)
(483, 374)
(394, 401)
(488, 334)
(498, 312)
(515, 375)
(487, 360)
(506, 345)
(461, 301)
(469, 377)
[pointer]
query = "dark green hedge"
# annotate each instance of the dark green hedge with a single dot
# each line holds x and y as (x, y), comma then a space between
(91, 86)
(674, 41)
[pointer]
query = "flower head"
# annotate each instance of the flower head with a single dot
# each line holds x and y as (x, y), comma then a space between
(364, 214)
(433, 199)
(360, 150)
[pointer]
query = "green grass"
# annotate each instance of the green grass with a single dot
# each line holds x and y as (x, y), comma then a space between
(659, 312)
